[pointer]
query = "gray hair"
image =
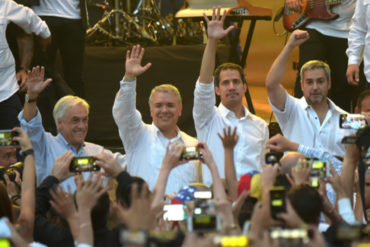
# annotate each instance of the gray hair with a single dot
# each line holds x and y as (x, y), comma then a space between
(315, 64)
(64, 103)
(166, 88)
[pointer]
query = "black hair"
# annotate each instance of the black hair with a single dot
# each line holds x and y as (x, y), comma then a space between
(228, 66)
(123, 192)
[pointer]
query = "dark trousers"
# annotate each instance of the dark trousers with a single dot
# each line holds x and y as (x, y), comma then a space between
(68, 36)
(332, 51)
(9, 110)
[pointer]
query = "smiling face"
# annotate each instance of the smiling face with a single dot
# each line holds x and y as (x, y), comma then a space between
(315, 86)
(74, 125)
(165, 110)
(231, 88)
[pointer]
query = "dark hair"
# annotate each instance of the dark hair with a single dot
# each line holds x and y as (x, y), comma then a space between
(100, 212)
(228, 66)
(5, 205)
(307, 203)
(123, 192)
(361, 97)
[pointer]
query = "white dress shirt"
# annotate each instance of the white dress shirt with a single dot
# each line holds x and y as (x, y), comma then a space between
(338, 27)
(26, 19)
(300, 123)
(210, 120)
(145, 145)
(69, 9)
(359, 37)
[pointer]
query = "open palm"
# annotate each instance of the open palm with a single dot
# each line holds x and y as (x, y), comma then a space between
(35, 82)
(215, 26)
(133, 61)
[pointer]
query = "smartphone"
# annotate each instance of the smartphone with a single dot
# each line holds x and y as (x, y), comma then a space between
(83, 164)
(273, 157)
(203, 194)
(174, 212)
(6, 137)
(191, 153)
(204, 223)
(352, 121)
(320, 169)
(277, 201)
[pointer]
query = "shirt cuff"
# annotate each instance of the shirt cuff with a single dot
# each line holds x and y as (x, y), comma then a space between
(125, 85)
(346, 211)
(354, 60)
(205, 87)
(34, 122)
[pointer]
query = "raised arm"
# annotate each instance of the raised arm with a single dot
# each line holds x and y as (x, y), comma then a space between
(27, 215)
(171, 160)
(229, 140)
(35, 85)
(127, 118)
(215, 31)
(275, 90)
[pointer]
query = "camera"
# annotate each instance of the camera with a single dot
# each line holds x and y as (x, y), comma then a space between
(191, 153)
(277, 201)
(83, 164)
(352, 121)
(361, 139)
(174, 212)
(6, 138)
(204, 223)
(273, 157)
(10, 171)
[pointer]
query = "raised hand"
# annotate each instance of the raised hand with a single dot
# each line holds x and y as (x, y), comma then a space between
(22, 138)
(215, 26)
(63, 202)
(35, 82)
(172, 156)
(229, 139)
(297, 38)
(61, 166)
(89, 192)
(133, 63)
(112, 168)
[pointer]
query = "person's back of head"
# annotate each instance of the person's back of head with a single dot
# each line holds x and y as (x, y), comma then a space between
(363, 102)
(123, 192)
(307, 203)
(100, 212)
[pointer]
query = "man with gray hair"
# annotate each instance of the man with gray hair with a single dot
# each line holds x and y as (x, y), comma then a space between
(71, 116)
(145, 144)
(312, 120)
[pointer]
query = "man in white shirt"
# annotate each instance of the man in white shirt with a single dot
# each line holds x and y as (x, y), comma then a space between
(25, 18)
(145, 144)
(312, 120)
(229, 83)
(359, 43)
(328, 42)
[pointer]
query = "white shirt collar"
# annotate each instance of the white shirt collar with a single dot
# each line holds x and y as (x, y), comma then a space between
(225, 112)
(332, 107)
(159, 132)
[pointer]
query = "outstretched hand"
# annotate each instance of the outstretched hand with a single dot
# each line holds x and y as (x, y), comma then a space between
(229, 139)
(133, 63)
(215, 26)
(35, 82)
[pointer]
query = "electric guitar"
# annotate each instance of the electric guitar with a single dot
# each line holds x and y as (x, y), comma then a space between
(311, 10)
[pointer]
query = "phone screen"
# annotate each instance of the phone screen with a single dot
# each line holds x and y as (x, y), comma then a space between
(352, 121)
(6, 138)
(83, 164)
(277, 201)
(174, 212)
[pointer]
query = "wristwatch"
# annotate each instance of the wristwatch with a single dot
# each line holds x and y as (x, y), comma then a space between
(27, 152)
(28, 99)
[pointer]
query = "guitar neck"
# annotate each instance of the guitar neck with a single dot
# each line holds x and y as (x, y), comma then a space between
(333, 2)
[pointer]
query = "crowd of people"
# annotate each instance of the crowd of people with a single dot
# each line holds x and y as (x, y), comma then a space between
(235, 184)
